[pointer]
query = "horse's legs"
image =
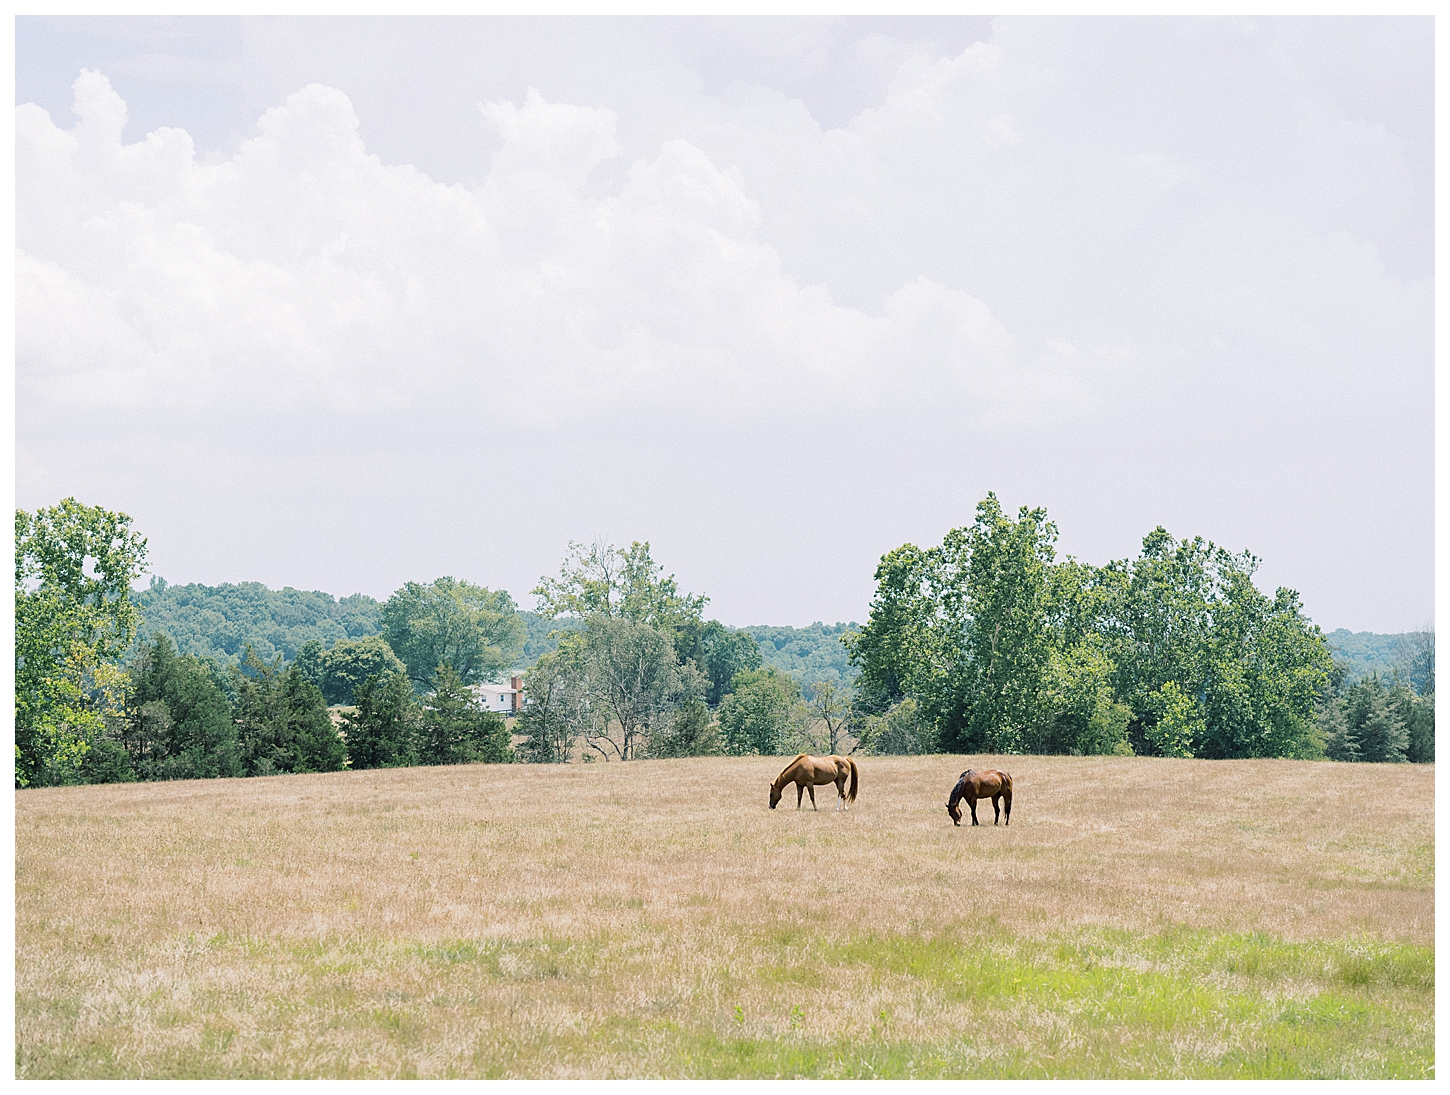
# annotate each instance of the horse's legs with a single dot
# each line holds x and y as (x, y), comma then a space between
(1007, 802)
(841, 793)
(973, 804)
(811, 787)
(800, 794)
(996, 809)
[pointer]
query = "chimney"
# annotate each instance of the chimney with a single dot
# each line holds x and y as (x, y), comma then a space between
(517, 684)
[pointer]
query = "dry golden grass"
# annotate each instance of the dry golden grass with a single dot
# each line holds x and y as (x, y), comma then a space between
(656, 918)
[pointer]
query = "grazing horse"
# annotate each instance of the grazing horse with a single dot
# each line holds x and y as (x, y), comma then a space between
(990, 783)
(808, 773)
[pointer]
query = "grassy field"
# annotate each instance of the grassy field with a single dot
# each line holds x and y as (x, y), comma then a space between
(1139, 918)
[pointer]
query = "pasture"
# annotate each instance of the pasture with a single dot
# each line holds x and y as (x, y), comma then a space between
(1140, 918)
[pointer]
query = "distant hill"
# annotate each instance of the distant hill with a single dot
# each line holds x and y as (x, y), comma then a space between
(812, 653)
(1365, 653)
(219, 621)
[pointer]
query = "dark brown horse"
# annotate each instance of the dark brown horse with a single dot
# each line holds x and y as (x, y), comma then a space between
(989, 783)
(808, 773)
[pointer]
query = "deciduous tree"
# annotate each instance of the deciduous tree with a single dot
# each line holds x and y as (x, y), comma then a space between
(475, 631)
(74, 565)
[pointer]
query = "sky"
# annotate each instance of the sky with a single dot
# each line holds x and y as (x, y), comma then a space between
(340, 303)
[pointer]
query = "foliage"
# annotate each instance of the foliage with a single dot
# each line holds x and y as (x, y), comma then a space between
(691, 733)
(634, 684)
(1418, 715)
(1081, 716)
(899, 731)
(352, 661)
(557, 710)
(475, 631)
(542, 635)
(179, 723)
(1005, 649)
(74, 565)
(220, 622)
(1410, 656)
(1371, 721)
(282, 721)
(624, 584)
(453, 728)
(814, 653)
(381, 728)
(755, 716)
(724, 652)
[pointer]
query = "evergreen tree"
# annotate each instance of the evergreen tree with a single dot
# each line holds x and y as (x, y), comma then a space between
(453, 728)
(1340, 740)
(1418, 715)
(380, 731)
(1381, 733)
(179, 724)
(282, 721)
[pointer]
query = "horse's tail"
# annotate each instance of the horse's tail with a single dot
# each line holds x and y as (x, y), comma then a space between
(855, 779)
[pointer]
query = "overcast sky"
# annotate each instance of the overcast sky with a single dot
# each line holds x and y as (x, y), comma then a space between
(339, 303)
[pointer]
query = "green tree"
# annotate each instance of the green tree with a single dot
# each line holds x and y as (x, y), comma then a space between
(907, 646)
(453, 728)
(353, 661)
(1079, 714)
(634, 683)
(282, 721)
(557, 711)
(1340, 741)
(74, 565)
(380, 732)
(1009, 642)
(691, 733)
(474, 631)
(1418, 715)
(724, 653)
(179, 722)
(1003, 648)
(309, 663)
(623, 584)
(900, 731)
(1378, 729)
(755, 716)
(1266, 666)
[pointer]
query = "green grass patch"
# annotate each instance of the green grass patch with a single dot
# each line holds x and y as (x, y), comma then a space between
(972, 1001)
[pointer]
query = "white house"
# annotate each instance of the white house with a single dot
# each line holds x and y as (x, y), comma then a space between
(505, 699)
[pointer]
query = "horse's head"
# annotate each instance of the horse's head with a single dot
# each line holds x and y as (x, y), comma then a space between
(955, 810)
(774, 796)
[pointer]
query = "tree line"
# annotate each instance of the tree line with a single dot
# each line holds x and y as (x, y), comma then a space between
(987, 643)
(997, 646)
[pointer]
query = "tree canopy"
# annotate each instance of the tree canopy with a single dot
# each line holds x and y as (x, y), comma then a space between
(74, 565)
(474, 631)
(1175, 653)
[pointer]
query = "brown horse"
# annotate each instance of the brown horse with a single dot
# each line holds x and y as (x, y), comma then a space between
(990, 783)
(808, 773)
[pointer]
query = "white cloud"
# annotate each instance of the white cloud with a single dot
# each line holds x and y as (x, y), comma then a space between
(304, 270)
(1139, 271)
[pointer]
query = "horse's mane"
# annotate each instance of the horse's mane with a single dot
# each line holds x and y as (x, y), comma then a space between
(960, 789)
